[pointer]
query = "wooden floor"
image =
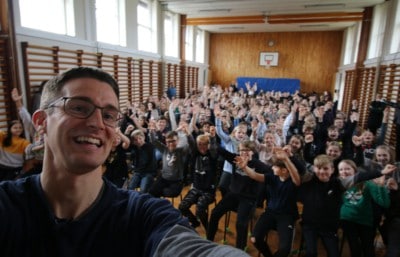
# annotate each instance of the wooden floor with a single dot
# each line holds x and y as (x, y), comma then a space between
(272, 240)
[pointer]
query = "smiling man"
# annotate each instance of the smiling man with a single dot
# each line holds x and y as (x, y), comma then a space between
(70, 209)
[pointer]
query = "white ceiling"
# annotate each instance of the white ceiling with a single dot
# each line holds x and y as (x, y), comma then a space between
(227, 8)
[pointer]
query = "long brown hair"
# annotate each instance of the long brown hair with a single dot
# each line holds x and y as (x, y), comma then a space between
(7, 141)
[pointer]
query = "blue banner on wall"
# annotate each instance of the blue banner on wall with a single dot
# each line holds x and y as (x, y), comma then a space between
(270, 84)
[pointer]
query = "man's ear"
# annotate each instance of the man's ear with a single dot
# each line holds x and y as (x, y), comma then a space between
(39, 120)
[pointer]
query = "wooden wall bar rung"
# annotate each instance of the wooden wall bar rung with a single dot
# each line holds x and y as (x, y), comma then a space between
(137, 78)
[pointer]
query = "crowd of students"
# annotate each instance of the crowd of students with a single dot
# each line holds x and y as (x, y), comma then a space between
(274, 146)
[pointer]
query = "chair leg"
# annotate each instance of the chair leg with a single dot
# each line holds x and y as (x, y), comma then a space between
(226, 228)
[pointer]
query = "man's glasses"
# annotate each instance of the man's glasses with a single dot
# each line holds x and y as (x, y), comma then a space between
(84, 108)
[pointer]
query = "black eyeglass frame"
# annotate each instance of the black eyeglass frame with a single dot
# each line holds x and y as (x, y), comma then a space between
(114, 123)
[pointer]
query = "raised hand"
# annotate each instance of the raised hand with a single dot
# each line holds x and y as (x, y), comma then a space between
(241, 162)
(389, 168)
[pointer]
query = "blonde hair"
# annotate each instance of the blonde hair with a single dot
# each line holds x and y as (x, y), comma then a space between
(323, 160)
(334, 143)
(239, 126)
(137, 133)
(203, 139)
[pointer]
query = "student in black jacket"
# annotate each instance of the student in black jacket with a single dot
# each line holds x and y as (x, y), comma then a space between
(242, 195)
(281, 182)
(321, 195)
(202, 193)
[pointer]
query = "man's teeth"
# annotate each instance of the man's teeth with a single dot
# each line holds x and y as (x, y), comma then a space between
(89, 140)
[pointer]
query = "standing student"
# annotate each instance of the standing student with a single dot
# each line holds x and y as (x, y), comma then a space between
(390, 229)
(69, 209)
(321, 194)
(356, 213)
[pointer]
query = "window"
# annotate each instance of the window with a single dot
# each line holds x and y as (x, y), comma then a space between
(199, 46)
(189, 43)
(147, 37)
(351, 47)
(110, 22)
(395, 42)
(171, 30)
(36, 15)
(377, 31)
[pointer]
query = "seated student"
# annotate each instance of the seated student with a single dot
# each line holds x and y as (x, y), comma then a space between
(202, 193)
(12, 148)
(242, 194)
(281, 181)
(144, 164)
(321, 195)
(33, 152)
(69, 209)
(364, 146)
(231, 143)
(170, 182)
(115, 167)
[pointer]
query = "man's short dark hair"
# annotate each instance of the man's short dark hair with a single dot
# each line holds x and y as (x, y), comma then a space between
(53, 87)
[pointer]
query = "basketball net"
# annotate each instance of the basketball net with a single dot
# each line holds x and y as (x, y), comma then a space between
(267, 64)
(268, 60)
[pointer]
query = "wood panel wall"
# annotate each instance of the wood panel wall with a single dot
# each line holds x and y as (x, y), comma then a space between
(312, 57)
(137, 78)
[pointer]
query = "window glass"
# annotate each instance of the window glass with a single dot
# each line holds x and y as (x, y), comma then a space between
(395, 42)
(377, 31)
(110, 21)
(200, 46)
(36, 15)
(349, 45)
(171, 34)
(189, 43)
(146, 34)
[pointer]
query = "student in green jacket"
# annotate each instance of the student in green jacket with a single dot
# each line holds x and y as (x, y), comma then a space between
(356, 213)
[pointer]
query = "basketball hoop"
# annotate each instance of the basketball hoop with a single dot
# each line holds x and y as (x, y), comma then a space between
(268, 60)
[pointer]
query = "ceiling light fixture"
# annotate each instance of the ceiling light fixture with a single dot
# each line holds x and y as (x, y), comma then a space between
(324, 5)
(222, 28)
(215, 10)
(313, 25)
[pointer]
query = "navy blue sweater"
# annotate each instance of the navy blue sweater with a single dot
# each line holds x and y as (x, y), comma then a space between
(120, 223)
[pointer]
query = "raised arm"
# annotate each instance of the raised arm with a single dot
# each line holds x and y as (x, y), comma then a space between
(241, 162)
(125, 141)
(284, 156)
(374, 171)
(23, 113)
